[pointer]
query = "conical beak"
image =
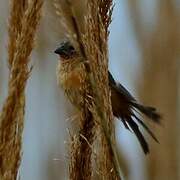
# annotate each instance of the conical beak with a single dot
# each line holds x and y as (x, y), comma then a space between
(58, 50)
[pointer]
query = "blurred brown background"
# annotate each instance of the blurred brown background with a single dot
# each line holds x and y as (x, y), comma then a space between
(144, 56)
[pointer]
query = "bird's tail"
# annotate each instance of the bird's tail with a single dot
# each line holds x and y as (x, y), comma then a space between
(139, 136)
(124, 106)
(150, 112)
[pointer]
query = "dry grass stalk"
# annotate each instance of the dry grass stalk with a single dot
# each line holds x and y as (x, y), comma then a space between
(18, 8)
(98, 20)
(80, 166)
(93, 47)
(12, 115)
(160, 51)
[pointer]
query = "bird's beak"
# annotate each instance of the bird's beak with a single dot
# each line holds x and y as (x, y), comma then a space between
(58, 50)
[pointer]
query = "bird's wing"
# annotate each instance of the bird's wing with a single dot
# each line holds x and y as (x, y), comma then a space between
(120, 88)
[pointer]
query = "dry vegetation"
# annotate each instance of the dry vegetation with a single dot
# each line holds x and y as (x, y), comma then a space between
(97, 118)
(160, 54)
(24, 18)
(95, 141)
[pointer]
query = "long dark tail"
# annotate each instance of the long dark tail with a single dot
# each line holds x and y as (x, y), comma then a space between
(124, 106)
(139, 135)
(150, 112)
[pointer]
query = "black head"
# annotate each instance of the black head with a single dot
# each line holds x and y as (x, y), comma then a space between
(66, 50)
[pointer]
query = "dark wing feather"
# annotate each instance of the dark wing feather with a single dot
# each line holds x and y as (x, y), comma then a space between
(139, 135)
(150, 112)
(146, 128)
(120, 88)
(123, 105)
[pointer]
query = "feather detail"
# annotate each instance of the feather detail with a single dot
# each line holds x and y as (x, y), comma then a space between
(150, 112)
(139, 135)
(146, 128)
(124, 105)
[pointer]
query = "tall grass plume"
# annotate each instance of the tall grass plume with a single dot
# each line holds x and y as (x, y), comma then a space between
(24, 18)
(97, 117)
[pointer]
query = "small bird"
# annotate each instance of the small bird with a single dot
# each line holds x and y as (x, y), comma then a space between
(72, 74)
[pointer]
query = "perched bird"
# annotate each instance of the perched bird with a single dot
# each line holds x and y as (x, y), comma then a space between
(71, 75)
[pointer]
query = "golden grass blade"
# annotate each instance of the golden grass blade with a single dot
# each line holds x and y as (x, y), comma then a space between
(96, 49)
(18, 8)
(93, 47)
(12, 115)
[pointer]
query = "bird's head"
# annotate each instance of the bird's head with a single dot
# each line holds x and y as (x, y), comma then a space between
(66, 50)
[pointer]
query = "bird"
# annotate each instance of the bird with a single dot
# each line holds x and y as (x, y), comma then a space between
(72, 75)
